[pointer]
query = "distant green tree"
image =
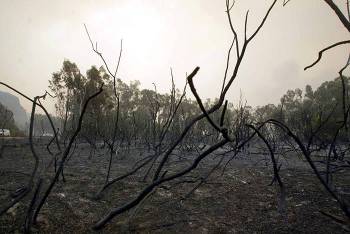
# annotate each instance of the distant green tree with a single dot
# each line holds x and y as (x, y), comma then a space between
(305, 113)
(68, 85)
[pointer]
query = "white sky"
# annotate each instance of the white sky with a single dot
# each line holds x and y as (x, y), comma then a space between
(37, 35)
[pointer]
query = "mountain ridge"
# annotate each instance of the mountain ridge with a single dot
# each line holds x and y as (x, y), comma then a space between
(12, 103)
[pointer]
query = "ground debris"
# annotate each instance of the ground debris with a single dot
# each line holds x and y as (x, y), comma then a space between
(13, 210)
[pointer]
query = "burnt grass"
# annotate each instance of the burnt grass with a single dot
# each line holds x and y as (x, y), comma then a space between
(239, 200)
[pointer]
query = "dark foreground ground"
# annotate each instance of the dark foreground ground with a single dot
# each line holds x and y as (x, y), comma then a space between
(239, 201)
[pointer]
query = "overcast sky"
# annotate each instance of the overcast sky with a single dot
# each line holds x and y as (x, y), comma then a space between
(37, 35)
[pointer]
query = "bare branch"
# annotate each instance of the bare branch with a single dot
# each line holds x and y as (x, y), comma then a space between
(246, 25)
(228, 9)
(65, 154)
(114, 212)
(285, 2)
(94, 48)
(339, 13)
(227, 66)
(223, 114)
(199, 101)
(263, 21)
(324, 50)
(348, 9)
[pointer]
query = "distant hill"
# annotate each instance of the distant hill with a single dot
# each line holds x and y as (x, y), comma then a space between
(12, 103)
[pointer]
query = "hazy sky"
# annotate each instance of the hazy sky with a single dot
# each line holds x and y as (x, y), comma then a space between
(37, 35)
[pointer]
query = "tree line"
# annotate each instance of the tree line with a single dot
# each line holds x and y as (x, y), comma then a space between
(143, 112)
